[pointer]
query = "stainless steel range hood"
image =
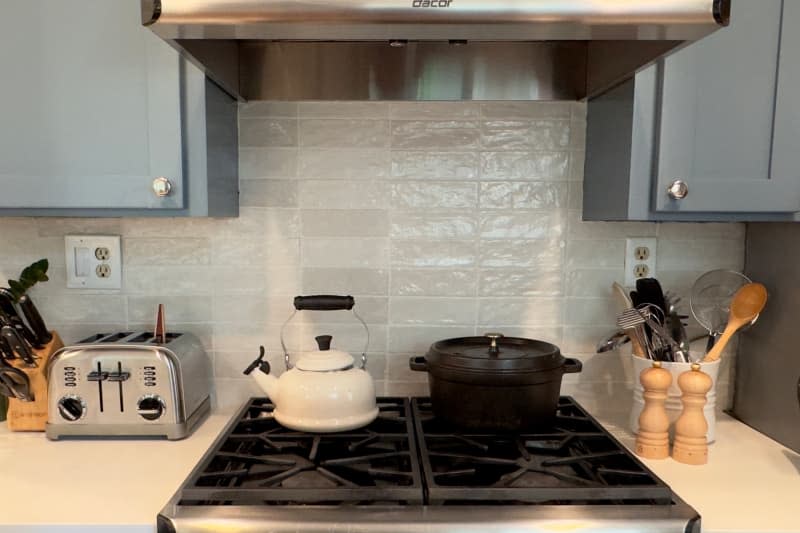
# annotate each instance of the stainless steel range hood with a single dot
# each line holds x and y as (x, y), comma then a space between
(428, 49)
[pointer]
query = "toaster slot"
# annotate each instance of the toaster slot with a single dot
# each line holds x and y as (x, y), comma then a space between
(94, 338)
(142, 338)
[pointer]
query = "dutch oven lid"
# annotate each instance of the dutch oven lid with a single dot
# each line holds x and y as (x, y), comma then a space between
(495, 352)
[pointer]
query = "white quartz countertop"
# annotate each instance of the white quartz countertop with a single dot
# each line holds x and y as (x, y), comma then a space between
(751, 484)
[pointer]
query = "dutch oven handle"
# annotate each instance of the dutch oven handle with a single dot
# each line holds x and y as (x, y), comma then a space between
(572, 366)
(418, 363)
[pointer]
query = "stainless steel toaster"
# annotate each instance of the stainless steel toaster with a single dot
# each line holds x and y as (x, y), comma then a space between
(128, 384)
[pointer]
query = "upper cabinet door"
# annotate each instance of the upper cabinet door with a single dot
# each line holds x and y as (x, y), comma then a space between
(718, 116)
(89, 107)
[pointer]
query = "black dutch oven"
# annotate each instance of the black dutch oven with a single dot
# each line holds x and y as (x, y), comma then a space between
(495, 382)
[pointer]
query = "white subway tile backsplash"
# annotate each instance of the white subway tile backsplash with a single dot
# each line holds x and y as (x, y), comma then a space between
(435, 110)
(171, 251)
(442, 219)
(542, 254)
(179, 308)
(417, 339)
(257, 163)
(524, 165)
(526, 110)
(343, 110)
(345, 252)
(520, 135)
(522, 195)
(432, 311)
(422, 225)
(522, 225)
(357, 281)
(515, 311)
(433, 282)
(339, 194)
(521, 282)
(345, 223)
(267, 132)
(343, 164)
(433, 253)
(268, 109)
(418, 165)
(268, 193)
(435, 135)
(344, 133)
(439, 194)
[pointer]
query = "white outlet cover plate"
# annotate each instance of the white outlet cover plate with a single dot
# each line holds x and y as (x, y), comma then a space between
(82, 263)
(631, 244)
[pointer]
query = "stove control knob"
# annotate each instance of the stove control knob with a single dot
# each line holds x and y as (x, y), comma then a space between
(151, 407)
(71, 408)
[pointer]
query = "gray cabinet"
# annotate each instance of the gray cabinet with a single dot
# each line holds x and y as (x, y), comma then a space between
(94, 108)
(721, 115)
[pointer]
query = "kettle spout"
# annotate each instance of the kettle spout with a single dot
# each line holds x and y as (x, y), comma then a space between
(260, 371)
(269, 384)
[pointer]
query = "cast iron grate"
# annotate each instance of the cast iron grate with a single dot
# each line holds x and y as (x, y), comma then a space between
(260, 462)
(573, 462)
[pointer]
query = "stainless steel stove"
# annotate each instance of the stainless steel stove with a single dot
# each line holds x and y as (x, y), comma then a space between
(409, 472)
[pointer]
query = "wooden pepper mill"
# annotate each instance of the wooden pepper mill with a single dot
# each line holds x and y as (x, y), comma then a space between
(652, 441)
(691, 445)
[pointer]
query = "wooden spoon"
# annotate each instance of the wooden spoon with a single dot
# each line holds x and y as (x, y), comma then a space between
(747, 303)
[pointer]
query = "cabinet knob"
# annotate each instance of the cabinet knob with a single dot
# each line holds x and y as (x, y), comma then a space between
(678, 190)
(161, 186)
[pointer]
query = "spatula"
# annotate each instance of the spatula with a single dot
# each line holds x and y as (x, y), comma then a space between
(747, 303)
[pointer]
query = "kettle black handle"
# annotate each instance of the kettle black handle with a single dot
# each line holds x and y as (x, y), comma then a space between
(572, 366)
(324, 302)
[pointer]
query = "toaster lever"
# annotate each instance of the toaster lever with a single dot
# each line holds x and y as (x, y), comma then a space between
(119, 376)
(96, 375)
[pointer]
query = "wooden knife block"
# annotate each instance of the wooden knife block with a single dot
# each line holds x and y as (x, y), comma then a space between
(32, 416)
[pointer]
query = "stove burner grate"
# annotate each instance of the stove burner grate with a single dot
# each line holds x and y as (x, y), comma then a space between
(259, 461)
(575, 461)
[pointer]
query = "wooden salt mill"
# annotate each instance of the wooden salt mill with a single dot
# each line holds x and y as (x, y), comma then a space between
(652, 440)
(691, 445)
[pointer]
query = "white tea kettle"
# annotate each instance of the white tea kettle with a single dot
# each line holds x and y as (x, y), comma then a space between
(324, 391)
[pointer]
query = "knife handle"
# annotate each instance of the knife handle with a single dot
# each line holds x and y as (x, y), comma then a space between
(35, 321)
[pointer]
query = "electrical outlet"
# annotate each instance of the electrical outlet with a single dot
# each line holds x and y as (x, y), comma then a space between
(102, 253)
(103, 270)
(93, 261)
(640, 259)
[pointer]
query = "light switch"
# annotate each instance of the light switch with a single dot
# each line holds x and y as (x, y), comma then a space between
(83, 256)
(93, 261)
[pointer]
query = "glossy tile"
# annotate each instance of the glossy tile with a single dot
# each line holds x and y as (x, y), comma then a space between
(418, 165)
(345, 223)
(440, 194)
(343, 133)
(543, 166)
(433, 282)
(435, 135)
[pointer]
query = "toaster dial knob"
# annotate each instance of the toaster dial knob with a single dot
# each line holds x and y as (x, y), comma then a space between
(71, 408)
(151, 407)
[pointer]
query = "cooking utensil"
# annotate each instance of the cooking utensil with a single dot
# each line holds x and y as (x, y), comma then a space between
(5, 350)
(14, 383)
(9, 313)
(746, 305)
(624, 302)
(649, 289)
(35, 321)
(632, 322)
(612, 342)
(494, 382)
(18, 345)
(324, 391)
(710, 300)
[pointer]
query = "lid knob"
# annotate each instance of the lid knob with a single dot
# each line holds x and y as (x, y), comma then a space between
(493, 348)
(324, 342)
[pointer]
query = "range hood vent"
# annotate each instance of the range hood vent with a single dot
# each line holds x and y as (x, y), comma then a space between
(428, 49)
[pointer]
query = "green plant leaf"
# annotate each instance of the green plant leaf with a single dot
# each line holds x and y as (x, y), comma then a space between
(17, 288)
(30, 276)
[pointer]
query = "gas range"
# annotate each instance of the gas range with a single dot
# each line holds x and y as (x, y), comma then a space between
(409, 472)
